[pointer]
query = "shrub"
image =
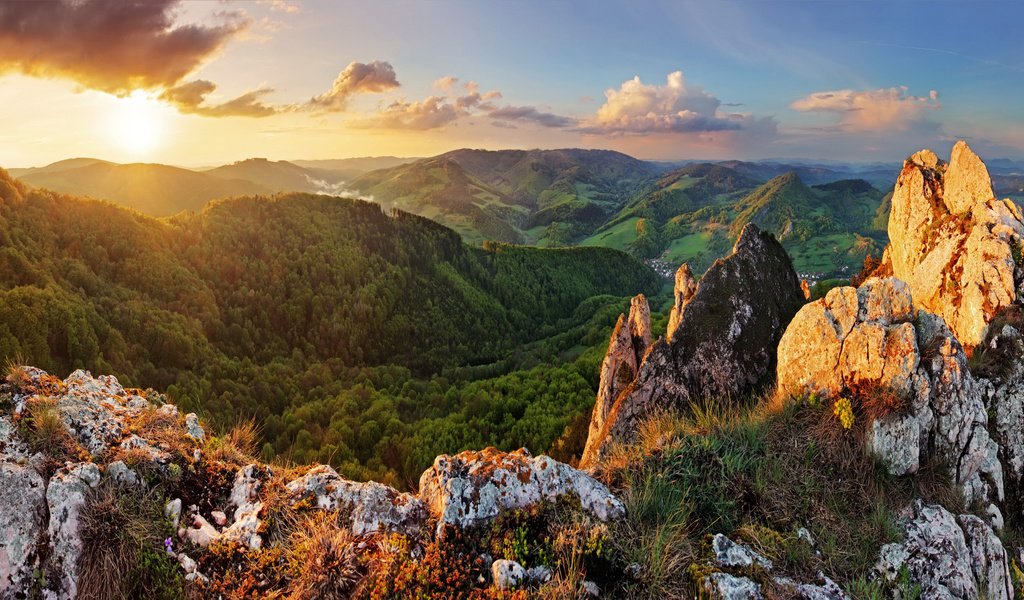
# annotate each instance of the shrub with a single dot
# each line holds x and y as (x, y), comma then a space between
(322, 559)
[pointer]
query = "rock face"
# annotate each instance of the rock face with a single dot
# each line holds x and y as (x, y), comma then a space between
(953, 242)
(949, 557)
(630, 340)
(40, 516)
(724, 344)
(855, 342)
(474, 487)
(373, 507)
(685, 287)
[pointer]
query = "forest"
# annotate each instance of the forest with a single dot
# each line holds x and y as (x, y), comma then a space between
(370, 340)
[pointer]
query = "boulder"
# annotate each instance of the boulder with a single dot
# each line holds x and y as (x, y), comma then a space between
(629, 342)
(855, 342)
(373, 507)
(728, 554)
(474, 487)
(723, 586)
(507, 574)
(245, 525)
(66, 495)
(949, 557)
(724, 344)
(22, 518)
(953, 242)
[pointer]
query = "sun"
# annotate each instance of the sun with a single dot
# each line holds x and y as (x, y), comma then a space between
(136, 123)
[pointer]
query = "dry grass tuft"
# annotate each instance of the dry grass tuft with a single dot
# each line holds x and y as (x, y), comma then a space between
(238, 446)
(44, 430)
(123, 556)
(322, 559)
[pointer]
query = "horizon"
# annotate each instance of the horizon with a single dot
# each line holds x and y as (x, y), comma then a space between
(187, 83)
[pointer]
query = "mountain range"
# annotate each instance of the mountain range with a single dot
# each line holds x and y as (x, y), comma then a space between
(828, 216)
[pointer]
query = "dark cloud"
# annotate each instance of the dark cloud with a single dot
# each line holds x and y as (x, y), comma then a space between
(110, 45)
(189, 98)
(356, 78)
(530, 114)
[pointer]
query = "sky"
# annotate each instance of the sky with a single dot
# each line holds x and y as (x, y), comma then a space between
(211, 82)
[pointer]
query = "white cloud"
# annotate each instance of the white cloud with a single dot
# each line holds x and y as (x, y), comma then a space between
(872, 110)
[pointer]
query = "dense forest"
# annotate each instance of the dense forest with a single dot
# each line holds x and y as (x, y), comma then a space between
(373, 341)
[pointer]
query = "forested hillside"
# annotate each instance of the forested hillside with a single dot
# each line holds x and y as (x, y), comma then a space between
(353, 336)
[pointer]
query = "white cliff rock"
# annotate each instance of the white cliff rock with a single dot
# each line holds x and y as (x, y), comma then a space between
(474, 487)
(66, 495)
(22, 510)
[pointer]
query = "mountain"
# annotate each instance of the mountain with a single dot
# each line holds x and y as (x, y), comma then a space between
(353, 167)
(154, 189)
(534, 196)
(344, 330)
(281, 176)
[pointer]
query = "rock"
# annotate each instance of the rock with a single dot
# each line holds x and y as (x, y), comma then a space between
(246, 523)
(119, 472)
(826, 590)
(988, 558)
(66, 496)
(949, 557)
(538, 575)
(474, 487)
(728, 554)
(806, 289)
(201, 533)
(724, 345)
(590, 589)
(870, 340)
(187, 564)
(11, 447)
(152, 454)
(685, 287)
(629, 342)
(507, 574)
(95, 409)
(723, 586)
(373, 507)
(953, 242)
(193, 428)
(22, 510)
(219, 518)
(173, 512)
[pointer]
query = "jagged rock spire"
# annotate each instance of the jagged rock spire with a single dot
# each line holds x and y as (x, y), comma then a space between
(685, 287)
(630, 340)
(953, 242)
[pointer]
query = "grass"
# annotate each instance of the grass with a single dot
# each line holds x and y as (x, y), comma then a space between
(239, 446)
(618, 236)
(123, 532)
(688, 247)
(758, 475)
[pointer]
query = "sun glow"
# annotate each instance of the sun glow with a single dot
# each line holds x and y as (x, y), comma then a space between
(137, 123)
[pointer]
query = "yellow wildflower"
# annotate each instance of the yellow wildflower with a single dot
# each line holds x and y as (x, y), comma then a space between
(844, 410)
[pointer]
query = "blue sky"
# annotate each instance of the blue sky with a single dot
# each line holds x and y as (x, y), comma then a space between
(825, 79)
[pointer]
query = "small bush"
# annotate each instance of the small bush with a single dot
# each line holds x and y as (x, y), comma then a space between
(322, 559)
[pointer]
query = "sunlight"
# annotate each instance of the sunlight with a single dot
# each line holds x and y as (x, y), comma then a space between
(137, 123)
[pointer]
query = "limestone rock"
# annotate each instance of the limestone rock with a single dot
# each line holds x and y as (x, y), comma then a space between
(949, 557)
(22, 509)
(193, 428)
(858, 341)
(201, 532)
(724, 345)
(630, 340)
(474, 487)
(66, 495)
(246, 524)
(374, 507)
(953, 242)
(723, 586)
(685, 287)
(507, 574)
(729, 554)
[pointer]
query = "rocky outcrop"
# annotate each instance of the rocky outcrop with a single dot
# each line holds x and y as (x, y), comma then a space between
(371, 507)
(953, 242)
(685, 287)
(630, 340)
(724, 344)
(949, 557)
(126, 438)
(871, 342)
(474, 487)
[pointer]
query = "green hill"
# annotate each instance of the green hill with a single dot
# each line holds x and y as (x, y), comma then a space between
(369, 340)
(279, 176)
(157, 190)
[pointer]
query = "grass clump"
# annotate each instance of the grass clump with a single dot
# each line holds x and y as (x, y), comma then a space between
(123, 532)
(322, 559)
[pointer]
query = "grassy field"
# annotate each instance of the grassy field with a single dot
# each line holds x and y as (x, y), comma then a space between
(684, 249)
(618, 236)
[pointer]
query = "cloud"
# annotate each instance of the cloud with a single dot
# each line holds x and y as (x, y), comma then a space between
(356, 78)
(530, 114)
(432, 112)
(189, 98)
(639, 108)
(873, 110)
(282, 6)
(108, 45)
